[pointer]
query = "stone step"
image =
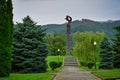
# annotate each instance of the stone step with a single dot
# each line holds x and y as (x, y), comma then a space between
(70, 62)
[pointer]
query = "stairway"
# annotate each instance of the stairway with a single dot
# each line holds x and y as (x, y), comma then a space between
(70, 62)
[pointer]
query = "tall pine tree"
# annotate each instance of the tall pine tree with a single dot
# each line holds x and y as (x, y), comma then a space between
(106, 54)
(30, 50)
(6, 29)
(117, 48)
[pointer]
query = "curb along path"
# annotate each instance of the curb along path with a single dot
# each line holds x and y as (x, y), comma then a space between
(74, 73)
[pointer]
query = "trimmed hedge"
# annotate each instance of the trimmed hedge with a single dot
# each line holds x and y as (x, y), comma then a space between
(55, 65)
(87, 64)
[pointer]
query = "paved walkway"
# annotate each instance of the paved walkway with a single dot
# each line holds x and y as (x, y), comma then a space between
(74, 73)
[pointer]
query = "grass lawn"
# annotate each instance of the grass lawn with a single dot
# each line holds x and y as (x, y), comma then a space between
(104, 73)
(37, 76)
(33, 76)
(55, 58)
(108, 74)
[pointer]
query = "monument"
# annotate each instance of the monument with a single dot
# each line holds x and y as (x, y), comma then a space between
(69, 19)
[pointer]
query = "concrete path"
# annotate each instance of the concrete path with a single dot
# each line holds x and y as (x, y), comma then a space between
(74, 73)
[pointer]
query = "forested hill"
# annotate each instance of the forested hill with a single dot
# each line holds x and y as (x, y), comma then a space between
(84, 25)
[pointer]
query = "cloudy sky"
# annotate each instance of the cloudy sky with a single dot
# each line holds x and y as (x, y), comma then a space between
(54, 11)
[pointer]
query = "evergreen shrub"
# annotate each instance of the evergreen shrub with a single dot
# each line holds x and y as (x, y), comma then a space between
(84, 64)
(90, 65)
(55, 65)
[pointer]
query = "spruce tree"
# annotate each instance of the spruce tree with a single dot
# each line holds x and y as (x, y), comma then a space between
(6, 29)
(30, 50)
(117, 47)
(106, 54)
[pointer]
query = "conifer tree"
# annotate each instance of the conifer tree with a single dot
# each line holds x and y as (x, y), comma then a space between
(106, 54)
(6, 29)
(10, 18)
(30, 50)
(117, 47)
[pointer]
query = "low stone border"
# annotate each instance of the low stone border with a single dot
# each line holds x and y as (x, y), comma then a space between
(97, 76)
(54, 77)
(112, 79)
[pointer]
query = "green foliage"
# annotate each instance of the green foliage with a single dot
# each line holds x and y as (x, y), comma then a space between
(6, 29)
(106, 54)
(117, 47)
(55, 65)
(84, 48)
(29, 50)
(55, 42)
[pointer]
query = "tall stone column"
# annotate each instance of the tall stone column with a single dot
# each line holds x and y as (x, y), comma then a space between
(69, 19)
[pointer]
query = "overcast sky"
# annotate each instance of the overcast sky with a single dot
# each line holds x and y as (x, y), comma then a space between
(54, 11)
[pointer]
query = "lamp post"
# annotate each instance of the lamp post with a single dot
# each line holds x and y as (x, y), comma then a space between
(95, 43)
(58, 54)
(58, 50)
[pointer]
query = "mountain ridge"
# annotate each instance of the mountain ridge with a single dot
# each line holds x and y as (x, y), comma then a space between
(84, 25)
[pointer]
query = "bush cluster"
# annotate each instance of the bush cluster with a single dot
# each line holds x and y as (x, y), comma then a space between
(87, 64)
(83, 64)
(90, 65)
(55, 65)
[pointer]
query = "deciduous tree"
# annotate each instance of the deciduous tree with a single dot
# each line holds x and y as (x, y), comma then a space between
(55, 42)
(83, 45)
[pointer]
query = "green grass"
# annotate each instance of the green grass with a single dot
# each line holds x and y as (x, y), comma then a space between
(108, 74)
(104, 73)
(33, 76)
(54, 58)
